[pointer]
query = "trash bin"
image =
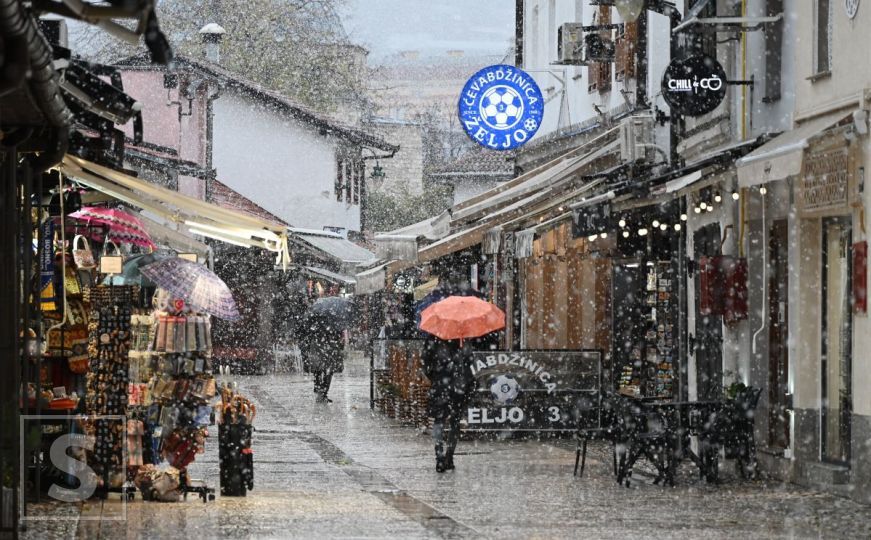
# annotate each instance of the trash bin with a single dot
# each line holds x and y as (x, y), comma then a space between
(236, 459)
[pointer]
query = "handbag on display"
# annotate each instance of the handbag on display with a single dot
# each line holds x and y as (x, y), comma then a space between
(82, 254)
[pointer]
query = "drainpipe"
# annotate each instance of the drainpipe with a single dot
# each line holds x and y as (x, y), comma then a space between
(764, 302)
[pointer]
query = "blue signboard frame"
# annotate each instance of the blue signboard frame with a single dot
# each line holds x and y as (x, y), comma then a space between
(501, 107)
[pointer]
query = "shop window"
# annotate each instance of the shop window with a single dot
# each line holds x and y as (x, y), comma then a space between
(627, 39)
(822, 37)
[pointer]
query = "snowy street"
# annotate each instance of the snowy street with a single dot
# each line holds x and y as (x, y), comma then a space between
(340, 471)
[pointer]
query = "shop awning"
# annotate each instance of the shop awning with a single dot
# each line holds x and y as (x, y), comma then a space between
(200, 217)
(333, 245)
(335, 277)
(372, 280)
(173, 239)
(534, 182)
(781, 157)
(422, 290)
(403, 243)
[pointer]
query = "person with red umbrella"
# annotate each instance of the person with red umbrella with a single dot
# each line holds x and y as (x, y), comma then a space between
(452, 324)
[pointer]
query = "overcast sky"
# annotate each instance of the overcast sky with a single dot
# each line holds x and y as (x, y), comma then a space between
(431, 26)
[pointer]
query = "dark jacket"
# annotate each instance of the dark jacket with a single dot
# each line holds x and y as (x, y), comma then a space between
(446, 365)
(322, 347)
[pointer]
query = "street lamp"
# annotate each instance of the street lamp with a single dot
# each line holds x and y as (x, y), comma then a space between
(377, 176)
(629, 10)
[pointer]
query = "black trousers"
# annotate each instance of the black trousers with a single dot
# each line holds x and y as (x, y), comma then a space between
(323, 378)
(446, 432)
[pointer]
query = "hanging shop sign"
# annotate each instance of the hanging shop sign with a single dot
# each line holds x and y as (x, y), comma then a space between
(825, 185)
(694, 86)
(501, 107)
(851, 7)
(591, 220)
(531, 390)
(111, 264)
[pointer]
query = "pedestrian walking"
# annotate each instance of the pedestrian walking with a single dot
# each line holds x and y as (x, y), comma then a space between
(446, 365)
(322, 348)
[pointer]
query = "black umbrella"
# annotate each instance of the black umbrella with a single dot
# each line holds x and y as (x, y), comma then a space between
(336, 311)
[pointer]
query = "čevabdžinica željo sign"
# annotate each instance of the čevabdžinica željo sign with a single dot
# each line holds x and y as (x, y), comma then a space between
(501, 107)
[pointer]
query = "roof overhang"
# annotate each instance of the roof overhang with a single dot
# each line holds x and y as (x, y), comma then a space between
(781, 157)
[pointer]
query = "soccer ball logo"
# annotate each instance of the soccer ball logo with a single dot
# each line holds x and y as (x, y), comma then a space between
(504, 388)
(501, 107)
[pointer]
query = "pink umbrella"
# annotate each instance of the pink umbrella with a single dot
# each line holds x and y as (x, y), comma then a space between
(123, 227)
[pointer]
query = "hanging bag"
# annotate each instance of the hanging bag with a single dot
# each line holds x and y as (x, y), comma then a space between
(82, 255)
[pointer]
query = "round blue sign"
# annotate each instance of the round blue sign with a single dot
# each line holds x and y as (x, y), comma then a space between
(501, 107)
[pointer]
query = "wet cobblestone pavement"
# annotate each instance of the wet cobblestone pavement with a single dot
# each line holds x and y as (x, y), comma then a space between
(341, 471)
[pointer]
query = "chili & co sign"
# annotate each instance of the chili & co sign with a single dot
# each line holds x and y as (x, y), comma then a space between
(694, 86)
(501, 107)
(531, 390)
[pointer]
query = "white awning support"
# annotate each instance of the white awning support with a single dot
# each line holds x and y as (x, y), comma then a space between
(682, 182)
(399, 247)
(727, 24)
(781, 157)
(202, 218)
(372, 280)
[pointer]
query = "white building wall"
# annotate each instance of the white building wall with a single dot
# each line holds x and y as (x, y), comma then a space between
(565, 88)
(279, 163)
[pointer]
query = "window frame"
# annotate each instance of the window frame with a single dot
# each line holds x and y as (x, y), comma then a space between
(820, 70)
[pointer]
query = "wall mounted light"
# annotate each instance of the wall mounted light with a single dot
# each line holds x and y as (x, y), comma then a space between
(717, 197)
(735, 196)
(703, 205)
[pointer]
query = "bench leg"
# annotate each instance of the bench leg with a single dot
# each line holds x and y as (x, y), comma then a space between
(584, 457)
(577, 458)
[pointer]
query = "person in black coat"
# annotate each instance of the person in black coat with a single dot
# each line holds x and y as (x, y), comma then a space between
(322, 348)
(446, 365)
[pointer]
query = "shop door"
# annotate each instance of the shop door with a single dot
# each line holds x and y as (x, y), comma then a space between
(836, 379)
(707, 343)
(778, 358)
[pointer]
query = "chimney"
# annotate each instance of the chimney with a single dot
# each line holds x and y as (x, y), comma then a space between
(212, 34)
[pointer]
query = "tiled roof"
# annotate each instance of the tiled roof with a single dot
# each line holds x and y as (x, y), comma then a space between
(226, 197)
(293, 108)
(478, 161)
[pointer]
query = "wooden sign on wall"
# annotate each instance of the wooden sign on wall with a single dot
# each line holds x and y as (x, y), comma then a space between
(827, 183)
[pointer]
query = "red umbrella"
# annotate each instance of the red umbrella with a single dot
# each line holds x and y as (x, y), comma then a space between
(461, 317)
(123, 227)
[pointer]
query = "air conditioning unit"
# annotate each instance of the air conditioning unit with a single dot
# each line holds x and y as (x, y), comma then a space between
(569, 43)
(636, 138)
(598, 48)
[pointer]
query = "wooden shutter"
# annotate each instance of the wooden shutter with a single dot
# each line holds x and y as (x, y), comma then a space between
(348, 181)
(340, 183)
(626, 43)
(359, 172)
(773, 52)
(600, 72)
